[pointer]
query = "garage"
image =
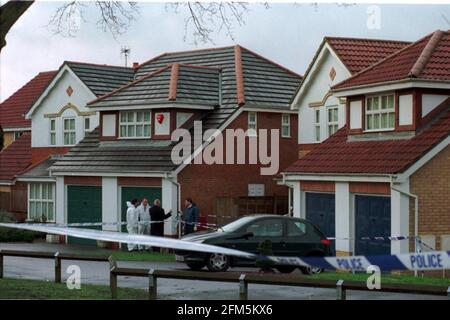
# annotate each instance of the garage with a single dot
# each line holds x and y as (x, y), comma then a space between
(84, 204)
(129, 193)
(320, 210)
(372, 219)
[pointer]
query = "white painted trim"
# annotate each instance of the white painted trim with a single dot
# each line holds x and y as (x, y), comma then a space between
(316, 64)
(110, 174)
(204, 144)
(16, 129)
(337, 177)
(259, 109)
(153, 106)
(423, 160)
(50, 86)
(37, 179)
(390, 86)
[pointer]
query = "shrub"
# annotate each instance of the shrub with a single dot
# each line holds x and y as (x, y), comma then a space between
(16, 235)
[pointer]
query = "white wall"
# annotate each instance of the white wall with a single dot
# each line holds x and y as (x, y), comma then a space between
(343, 218)
(318, 85)
(53, 103)
(110, 203)
(400, 218)
(170, 202)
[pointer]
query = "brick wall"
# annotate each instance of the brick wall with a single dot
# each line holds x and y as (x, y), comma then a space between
(204, 183)
(40, 154)
(431, 184)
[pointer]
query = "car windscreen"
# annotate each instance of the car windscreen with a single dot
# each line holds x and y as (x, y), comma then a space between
(235, 225)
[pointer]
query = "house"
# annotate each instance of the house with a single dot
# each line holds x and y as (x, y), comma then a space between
(16, 153)
(387, 171)
(129, 155)
(54, 108)
(322, 113)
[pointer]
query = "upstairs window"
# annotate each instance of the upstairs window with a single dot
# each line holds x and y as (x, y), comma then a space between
(286, 125)
(69, 131)
(52, 132)
(317, 124)
(252, 124)
(380, 113)
(332, 120)
(135, 124)
(87, 125)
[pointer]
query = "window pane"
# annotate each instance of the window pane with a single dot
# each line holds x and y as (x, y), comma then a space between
(147, 116)
(369, 121)
(391, 120)
(72, 138)
(130, 131)
(130, 116)
(32, 192)
(147, 130)
(123, 117)
(52, 139)
(66, 124)
(50, 192)
(384, 120)
(317, 116)
(139, 130)
(123, 131)
(285, 132)
(376, 121)
(317, 133)
(87, 123)
(44, 210)
(38, 209)
(50, 216)
(391, 102)
(52, 125)
(384, 102)
(32, 209)
(139, 117)
(375, 103)
(44, 191)
(369, 104)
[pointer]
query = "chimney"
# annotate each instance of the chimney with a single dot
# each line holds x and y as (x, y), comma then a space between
(135, 65)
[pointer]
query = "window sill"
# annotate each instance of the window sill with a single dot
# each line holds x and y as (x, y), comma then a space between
(378, 130)
(133, 138)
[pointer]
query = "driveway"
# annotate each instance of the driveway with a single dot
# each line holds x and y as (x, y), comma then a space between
(98, 273)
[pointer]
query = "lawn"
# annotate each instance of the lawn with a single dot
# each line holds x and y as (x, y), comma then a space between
(385, 278)
(34, 289)
(143, 256)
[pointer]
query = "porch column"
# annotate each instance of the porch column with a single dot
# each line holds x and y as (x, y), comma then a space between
(400, 218)
(110, 203)
(343, 219)
(297, 200)
(60, 195)
(170, 202)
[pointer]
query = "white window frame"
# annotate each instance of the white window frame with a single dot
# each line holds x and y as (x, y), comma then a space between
(52, 133)
(317, 127)
(332, 124)
(69, 131)
(379, 112)
(42, 200)
(285, 125)
(252, 125)
(134, 124)
(86, 130)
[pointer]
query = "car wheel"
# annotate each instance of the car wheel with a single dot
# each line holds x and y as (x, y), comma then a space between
(217, 262)
(285, 269)
(195, 266)
(311, 270)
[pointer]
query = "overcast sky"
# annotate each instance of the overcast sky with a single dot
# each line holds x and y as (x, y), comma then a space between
(287, 33)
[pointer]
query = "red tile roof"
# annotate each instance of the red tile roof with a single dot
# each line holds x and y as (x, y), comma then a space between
(16, 157)
(337, 155)
(13, 109)
(427, 58)
(358, 54)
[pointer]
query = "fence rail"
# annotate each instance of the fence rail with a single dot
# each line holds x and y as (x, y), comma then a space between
(243, 280)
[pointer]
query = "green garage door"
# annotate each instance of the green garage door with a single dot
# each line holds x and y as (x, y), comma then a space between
(84, 204)
(130, 193)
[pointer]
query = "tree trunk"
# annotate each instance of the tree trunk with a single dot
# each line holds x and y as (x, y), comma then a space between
(10, 12)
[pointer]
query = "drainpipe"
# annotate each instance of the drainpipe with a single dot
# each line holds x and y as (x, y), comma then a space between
(179, 203)
(417, 244)
(290, 190)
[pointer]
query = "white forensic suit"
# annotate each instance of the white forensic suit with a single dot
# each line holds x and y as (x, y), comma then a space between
(144, 223)
(132, 224)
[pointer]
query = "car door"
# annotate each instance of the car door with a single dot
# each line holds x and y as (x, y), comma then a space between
(262, 229)
(301, 238)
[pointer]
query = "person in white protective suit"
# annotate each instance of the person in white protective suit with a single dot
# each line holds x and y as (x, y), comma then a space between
(132, 222)
(144, 221)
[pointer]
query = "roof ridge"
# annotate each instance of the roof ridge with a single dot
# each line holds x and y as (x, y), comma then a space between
(97, 64)
(426, 53)
(129, 84)
(240, 89)
(383, 60)
(366, 39)
(199, 66)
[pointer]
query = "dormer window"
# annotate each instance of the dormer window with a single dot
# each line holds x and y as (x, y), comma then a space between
(380, 113)
(135, 124)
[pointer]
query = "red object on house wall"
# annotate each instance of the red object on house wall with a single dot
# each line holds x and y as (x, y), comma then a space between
(160, 118)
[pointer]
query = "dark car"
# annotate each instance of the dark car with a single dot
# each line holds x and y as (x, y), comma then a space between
(289, 237)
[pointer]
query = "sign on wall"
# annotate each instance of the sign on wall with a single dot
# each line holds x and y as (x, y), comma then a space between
(256, 190)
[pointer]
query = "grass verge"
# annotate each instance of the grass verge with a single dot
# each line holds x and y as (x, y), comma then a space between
(36, 289)
(143, 256)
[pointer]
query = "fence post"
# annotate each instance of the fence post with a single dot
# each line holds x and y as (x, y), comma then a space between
(1, 264)
(57, 268)
(152, 285)
(243, 288)
(112, 277)
(340, 290)
(448, 292)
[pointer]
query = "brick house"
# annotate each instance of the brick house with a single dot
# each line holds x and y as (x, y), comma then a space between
(129, 154)
(387, 171)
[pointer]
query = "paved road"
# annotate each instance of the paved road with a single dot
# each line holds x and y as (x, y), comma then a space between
(98, 273)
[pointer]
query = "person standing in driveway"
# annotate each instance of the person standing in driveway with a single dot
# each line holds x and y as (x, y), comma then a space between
(157, 216)
(132, 222)
(144, 221)
(191, 216)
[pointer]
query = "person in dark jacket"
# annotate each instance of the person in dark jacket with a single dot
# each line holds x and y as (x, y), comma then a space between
(191, 216)
(157, 216)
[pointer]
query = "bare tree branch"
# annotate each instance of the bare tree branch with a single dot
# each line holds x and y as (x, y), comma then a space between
(10, 12)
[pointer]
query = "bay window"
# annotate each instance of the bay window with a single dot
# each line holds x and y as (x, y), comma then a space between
(380, 113)
(135, 124)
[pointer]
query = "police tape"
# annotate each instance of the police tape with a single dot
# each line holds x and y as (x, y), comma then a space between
(431, 260)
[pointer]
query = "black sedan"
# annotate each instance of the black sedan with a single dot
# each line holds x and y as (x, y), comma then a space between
(289, 237)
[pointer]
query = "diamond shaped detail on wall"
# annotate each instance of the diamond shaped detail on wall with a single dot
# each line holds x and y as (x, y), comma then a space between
(69, 91)
(332, 73)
